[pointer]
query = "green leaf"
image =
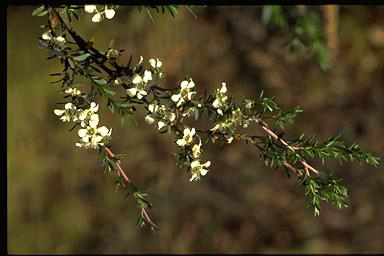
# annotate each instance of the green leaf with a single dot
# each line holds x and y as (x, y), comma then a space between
(149, 14)
(108, 92)
(190, 11)
(111, 43)
(71, 63)
(173, 10)
(38, 11)
(82, 57)
(111, 106)
(99, 80)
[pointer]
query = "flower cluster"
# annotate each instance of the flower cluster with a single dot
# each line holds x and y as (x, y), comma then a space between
(99, 15)
(220, 99)
(227, 126)
(198, 169)
(90, 135)
(155, 63)
(185, 93)
(161, 114)
(68, 114)
(192, 154)
(58, 40)
(73, 91)
(140, 83)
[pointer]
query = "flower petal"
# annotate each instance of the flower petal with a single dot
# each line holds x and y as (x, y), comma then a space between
(175, 97)
(60, 39)
(59, 112)
(89, 8)
(97, 17)
(184, 84)
(46, 36)
(195, 163)
(136, 79)
(82, 132)
(203, 172)
(193, 131)
(103, 131)
(191, 83)
(109, 13)
(223, 88)
(131, 92)
(147, 76)
(149, 120)
(180, 142)
(207, 164)
(160, 124)
(186, 131)
(216, 103)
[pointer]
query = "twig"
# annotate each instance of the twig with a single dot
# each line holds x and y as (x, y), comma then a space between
(264, 126)
(81, 42)
(143, 210)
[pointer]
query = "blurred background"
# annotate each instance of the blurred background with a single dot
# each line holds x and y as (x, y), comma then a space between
(61, 201)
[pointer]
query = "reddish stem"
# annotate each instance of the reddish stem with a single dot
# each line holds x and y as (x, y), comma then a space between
(143, 211)
(293, 149)
(117, 164)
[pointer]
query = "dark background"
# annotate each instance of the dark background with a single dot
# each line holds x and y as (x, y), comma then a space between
(60, 201)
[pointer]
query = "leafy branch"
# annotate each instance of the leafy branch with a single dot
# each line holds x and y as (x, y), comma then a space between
(170, 109)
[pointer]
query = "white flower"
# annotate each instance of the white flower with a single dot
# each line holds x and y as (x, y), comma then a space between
(60, 39)
(196, 151)
(216, 103)
(248, 103)
(175, 97)
(186, 89)
(92, 137)
(155, 63)
(109, 13)
(187, 138)
(132, 92)
(97, 17)
(88, 117)
(136, 79)
(178, 99)
(93, 120)
(59, 112)
(82, 132)
(117, 81)
(73, 91)
(221, 99)
(223, 88)
(170, 116)
(103, 131)
(90, 8)
(187, 85)
(70, 113)
(229, 140)
(161, 124)
(198, 169)
(141, 60)
(94, 107)
(153, 107)
(149, 119)
(141, 94)
(47, 35)
(147, 76)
